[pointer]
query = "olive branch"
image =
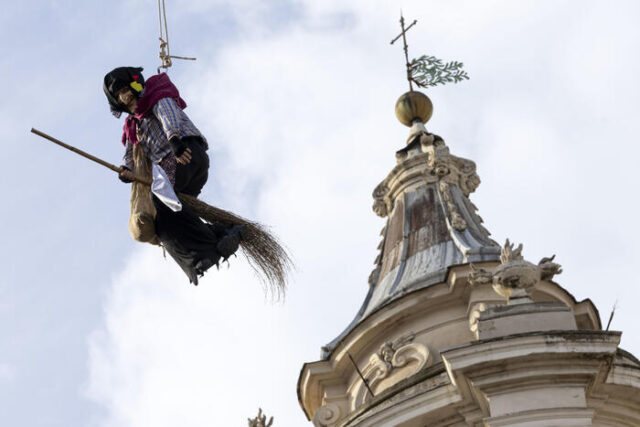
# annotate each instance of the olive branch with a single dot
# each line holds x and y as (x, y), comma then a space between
(428, 71)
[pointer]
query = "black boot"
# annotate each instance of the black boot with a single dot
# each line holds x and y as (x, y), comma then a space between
(229, 244)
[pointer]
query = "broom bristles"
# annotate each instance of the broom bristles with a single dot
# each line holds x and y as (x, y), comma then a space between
(265, 254)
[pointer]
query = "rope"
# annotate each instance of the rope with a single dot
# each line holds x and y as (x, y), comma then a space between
(165, 54)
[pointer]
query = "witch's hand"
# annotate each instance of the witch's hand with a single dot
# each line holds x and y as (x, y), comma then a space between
(126, 175)
(185, 158)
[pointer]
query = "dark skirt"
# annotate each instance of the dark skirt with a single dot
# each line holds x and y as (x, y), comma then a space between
(186, 238)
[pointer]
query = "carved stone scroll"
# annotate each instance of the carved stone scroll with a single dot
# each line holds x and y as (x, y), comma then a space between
(327, 415)
(381, 204)
(393, 362)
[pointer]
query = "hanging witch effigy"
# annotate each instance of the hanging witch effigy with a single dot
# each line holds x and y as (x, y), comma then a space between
(157, 132)
(166, 162)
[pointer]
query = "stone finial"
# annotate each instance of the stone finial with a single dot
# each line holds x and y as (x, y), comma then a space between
(515, 277)
(260, 420)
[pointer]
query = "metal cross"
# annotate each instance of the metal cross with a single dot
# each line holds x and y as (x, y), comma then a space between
(404, 39)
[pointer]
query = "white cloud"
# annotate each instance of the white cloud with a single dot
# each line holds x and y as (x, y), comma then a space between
(173, 354)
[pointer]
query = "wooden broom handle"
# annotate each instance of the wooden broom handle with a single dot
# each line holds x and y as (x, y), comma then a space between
(87, 155)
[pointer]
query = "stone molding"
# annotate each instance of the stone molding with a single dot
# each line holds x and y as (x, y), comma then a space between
(569, 417)
(430, 393)
(539, 372)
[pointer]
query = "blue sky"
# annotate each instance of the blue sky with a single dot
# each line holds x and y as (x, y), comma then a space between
(297, 100)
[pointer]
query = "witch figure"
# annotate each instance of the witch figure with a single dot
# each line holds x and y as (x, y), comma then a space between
(158, 125)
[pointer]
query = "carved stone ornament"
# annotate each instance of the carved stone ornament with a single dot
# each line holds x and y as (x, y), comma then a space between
(374, 276)
(455, 218)
(459, 171)
(260, 420)
(469, 179)
(327, 415)
(381, 204)
(425, 160)
(429, 139)
(475, 312)
(393, 362)
(548, 268)
(515, 274)
(439, 160)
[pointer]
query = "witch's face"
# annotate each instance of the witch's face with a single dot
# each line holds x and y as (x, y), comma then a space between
(128, 99)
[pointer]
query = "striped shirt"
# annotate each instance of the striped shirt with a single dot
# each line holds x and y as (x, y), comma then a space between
(155, 130)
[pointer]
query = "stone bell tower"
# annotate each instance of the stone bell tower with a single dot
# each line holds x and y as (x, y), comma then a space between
(456, 330)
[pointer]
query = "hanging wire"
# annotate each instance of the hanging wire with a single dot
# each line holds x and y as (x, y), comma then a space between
(165, 54)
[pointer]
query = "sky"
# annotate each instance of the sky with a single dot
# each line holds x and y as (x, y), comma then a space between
(296, 99)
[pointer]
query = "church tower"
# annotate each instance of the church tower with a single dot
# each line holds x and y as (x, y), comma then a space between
(457, 330)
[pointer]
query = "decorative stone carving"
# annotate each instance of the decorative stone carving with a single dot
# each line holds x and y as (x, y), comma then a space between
(428, 158)
(327, 415)
(548, 268)
(439, 160)
(389, 349)
(474, 314)
(515, 272)
(401, 156)
(429, 139)
(469, 179)
(515, 276)
(381, 203)
(455, 218)
(374, 276)
(260, 420)
(480, 276)
(393, 362)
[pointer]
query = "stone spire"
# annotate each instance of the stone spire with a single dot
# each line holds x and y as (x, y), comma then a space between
(431, 223)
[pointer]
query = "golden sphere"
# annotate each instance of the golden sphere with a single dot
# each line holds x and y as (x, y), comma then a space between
(413, 106)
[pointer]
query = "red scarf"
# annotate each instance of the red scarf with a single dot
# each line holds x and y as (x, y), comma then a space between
(155, 89)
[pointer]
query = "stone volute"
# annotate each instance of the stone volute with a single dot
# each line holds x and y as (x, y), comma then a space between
(443, 300)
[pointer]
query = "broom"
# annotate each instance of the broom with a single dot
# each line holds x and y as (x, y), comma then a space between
(266, 256)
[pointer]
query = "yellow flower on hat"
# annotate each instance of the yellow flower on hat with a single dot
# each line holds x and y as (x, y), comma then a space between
(136, 86)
